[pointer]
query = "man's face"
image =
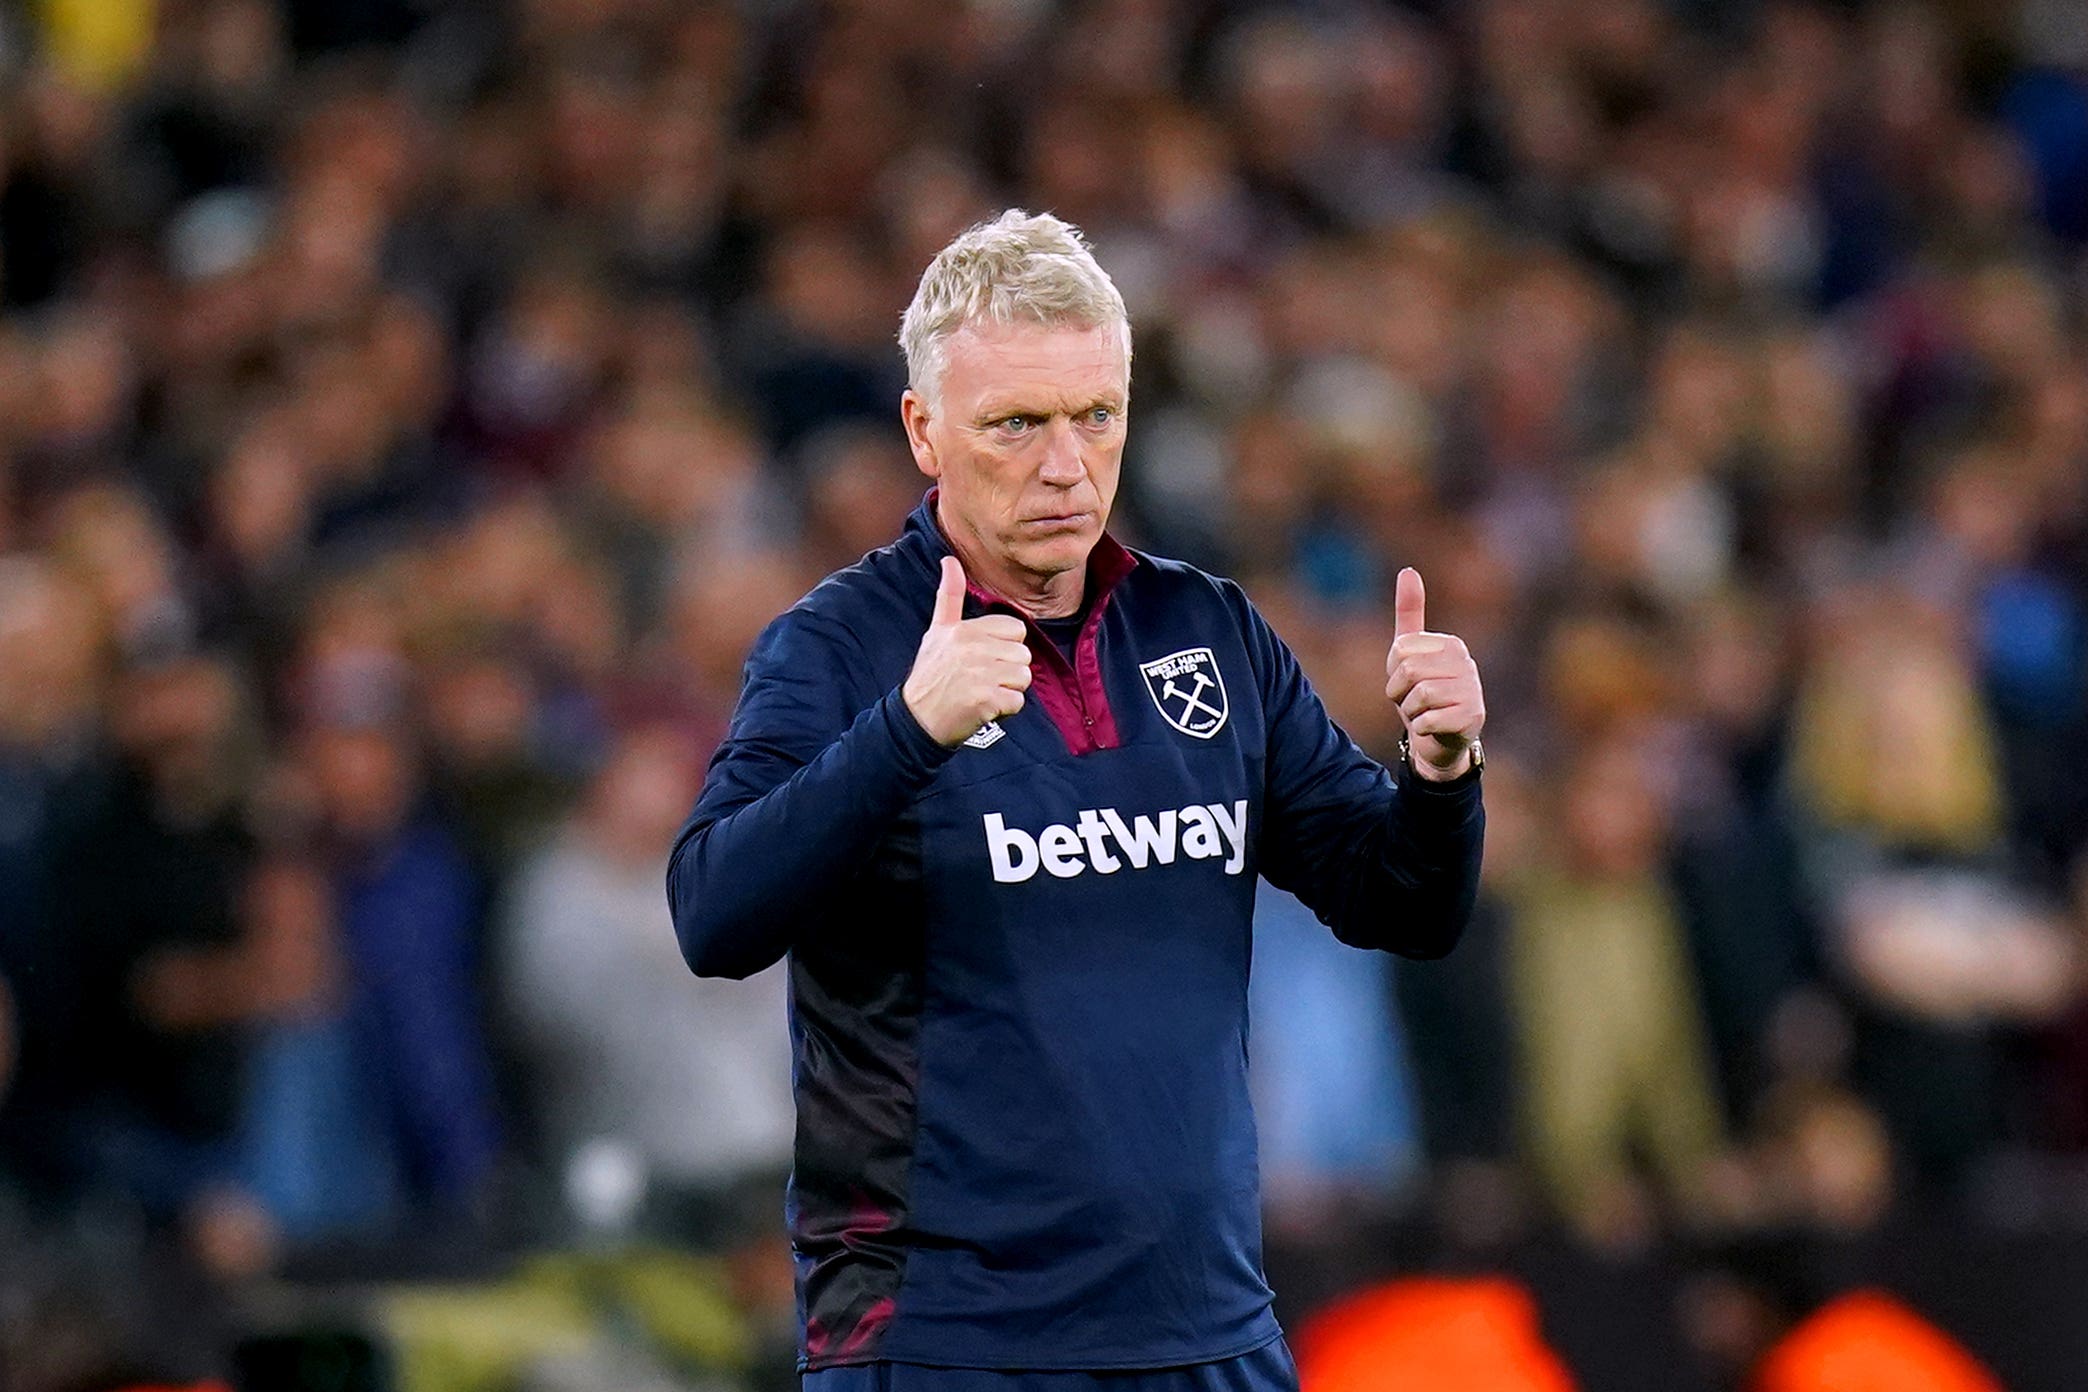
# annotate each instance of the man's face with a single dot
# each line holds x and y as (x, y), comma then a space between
(1025, 437)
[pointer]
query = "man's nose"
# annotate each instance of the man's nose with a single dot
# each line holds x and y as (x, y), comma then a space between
(1063, 466)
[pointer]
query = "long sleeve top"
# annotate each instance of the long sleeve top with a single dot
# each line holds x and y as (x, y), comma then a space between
(1018, 967)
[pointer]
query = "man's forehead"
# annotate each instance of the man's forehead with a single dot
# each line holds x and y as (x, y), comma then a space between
(988, 359)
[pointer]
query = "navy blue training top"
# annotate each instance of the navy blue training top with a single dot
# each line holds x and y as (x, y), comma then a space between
(1018, 968)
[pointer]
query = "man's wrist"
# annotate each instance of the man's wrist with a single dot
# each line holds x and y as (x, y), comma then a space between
(1467, 765)
(1451, 774)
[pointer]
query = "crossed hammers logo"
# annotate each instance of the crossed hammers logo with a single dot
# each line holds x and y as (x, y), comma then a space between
(1188, 689)
(1192, 698)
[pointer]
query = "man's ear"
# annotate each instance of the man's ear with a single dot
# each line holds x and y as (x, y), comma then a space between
(913, 413)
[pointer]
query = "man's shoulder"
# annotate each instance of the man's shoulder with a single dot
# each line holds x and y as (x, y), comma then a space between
(1170, 570)
(883, 598)
(1170, 581)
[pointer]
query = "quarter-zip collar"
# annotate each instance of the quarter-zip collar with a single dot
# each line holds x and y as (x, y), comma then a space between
(1072, 692)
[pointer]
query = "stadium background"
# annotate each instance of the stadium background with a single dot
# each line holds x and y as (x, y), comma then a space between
(409, 411)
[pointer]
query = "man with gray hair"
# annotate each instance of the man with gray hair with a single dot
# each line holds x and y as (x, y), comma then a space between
(1001, 791)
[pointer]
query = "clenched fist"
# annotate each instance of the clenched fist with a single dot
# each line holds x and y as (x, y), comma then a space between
(968, 671)
(1436, 683)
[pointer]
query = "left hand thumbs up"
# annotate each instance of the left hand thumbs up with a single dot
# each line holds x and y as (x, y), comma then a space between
(1435, 682)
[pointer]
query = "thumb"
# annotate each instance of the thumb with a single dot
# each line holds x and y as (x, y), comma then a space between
(1408, 602)
(949, 594)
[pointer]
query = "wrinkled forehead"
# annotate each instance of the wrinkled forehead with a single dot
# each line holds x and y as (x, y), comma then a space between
(1029, 364)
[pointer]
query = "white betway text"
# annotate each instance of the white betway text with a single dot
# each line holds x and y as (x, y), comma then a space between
(1102, 841)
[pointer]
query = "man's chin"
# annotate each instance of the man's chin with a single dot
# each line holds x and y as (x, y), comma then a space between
(1055, 550)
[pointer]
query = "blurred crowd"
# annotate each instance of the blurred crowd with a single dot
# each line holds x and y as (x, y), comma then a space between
(410, 411)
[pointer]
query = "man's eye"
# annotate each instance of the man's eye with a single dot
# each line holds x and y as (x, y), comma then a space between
(1017, 425)
(1101, 416)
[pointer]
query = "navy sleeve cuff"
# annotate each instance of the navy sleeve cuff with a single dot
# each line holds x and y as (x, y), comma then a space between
(919, 755)
(1464, 785)
(1438, 816)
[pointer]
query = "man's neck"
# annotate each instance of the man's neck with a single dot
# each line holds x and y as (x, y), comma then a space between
(1039, 596)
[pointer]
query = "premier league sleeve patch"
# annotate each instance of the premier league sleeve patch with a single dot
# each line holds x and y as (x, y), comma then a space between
(1188, 690)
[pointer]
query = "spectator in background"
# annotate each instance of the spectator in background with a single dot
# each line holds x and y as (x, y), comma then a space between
(149, 922)
(1942, 944)
(110, 536)
(819, 354)
(1333, 1088)
(535, 370)
(2026, 626)
(1613, 1049)
(687, 1083)
(859, 486)
(51, 673)
(1461, 1040)
(670, 475)
(715, 605)
(1738, 869)
(379, 1100)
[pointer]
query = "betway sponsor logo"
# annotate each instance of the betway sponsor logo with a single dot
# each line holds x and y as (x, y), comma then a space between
(1102, 841)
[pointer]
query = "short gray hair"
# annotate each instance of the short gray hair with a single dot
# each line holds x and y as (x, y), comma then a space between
(1020, 267)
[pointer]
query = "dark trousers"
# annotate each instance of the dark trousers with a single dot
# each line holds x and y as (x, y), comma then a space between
(1266, 1369)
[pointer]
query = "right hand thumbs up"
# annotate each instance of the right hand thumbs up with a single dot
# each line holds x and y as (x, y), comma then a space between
(1410, 604)
(949, 595)
(967, 671)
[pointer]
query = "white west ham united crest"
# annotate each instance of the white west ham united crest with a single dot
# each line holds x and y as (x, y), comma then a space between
(1188, 690)
(985, 737)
